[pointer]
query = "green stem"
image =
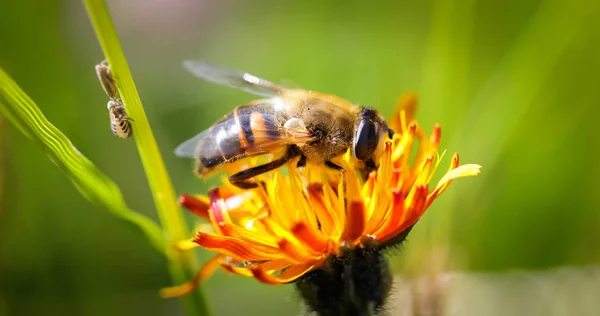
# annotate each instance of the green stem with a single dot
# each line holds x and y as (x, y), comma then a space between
(182, 266)
(94, 185)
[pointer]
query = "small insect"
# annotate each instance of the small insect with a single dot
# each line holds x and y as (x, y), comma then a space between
(297, 123)
(119, 121)
(106, 79)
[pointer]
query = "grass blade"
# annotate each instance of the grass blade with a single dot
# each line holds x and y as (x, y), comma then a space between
(182, 264)
(87, 178)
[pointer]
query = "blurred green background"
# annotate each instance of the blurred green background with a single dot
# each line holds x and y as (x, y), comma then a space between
(514, 85)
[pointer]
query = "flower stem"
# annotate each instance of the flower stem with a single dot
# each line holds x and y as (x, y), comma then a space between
(181, 265)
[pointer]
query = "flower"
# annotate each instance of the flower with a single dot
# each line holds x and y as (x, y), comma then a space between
(295, 224)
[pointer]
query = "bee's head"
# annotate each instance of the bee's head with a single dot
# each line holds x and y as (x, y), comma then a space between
(370, 134)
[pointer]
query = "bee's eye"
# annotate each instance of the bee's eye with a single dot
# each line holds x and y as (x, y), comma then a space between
(365, 139)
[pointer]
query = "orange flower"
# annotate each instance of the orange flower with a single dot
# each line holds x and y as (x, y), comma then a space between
(296, 224)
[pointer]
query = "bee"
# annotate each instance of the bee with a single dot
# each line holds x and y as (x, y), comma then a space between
(313, 126)
(119, 121)
(106, 79)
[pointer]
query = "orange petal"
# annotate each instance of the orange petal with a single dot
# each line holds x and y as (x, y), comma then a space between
(394, 217)
(295, 252)
(268, 267)
(280, 203)
(204, 273)
(288, 243)
(321, 210)
(237, 270)
(303, 211)
(367, 189)
(310, 237)
(236, 248)
(275, 265)
(197, 205)
(414, 211)
(417, 208)
(289, 275)
(425, 171)
(395, 180)
(258, 236)
(380, 211)
(401, 153)
(335, 207)
(384, 173)
(355, 221)
(436, 135)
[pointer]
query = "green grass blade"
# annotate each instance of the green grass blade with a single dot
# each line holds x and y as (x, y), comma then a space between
(158, 178)
(182, 265)
(94, 185)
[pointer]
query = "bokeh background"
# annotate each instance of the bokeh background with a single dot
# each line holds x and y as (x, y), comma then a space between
(514, 85)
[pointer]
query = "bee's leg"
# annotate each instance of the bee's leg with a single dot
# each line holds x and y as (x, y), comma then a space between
(302, 162)
(342, 171)
(300, 166)
(243, 180)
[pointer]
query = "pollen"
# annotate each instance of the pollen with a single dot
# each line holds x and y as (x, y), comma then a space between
(295, 221)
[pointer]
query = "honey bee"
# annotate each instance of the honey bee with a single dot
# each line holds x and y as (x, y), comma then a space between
(119, 121)
(293, 122)
(106, 79)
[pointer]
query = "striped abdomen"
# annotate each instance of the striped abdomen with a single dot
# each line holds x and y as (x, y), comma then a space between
(121, 128)
(249, 129)
(119, 123)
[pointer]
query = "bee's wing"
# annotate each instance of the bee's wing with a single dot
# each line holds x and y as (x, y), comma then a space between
(258, 133)
(189, 148)
(233, 78)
